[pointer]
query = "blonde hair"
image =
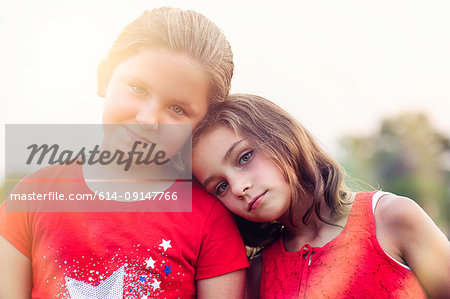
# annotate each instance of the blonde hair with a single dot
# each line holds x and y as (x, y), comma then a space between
(313, 176)
(180, 31)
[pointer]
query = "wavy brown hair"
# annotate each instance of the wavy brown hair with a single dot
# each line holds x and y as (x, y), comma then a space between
(314, 177)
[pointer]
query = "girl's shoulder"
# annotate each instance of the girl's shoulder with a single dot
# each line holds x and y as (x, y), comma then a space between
(398, 215)
(397, 222)
(200, 197)
(405, 231)
(205, 205)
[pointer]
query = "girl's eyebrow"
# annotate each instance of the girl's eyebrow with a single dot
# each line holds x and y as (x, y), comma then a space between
(184, 103)
(231, 149)
(225, 158)
(135, 79)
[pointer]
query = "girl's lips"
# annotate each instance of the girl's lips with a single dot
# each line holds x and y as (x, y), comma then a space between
(135, 137)
(256, 202)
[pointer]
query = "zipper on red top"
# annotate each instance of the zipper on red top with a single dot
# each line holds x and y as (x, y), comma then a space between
(306, 252)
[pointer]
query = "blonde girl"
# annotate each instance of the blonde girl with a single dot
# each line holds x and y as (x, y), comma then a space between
(165, 68)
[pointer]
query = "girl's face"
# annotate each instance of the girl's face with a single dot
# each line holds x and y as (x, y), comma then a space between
(240, 176)
(155, 90)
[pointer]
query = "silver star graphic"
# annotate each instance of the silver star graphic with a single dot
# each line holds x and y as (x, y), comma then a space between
(155, 284)
(111, 288)
(165, 244)
(150, 263)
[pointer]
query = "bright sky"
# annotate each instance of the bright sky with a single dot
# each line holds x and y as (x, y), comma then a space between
(337, 66)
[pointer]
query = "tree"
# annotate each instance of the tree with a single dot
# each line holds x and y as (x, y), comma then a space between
(406, 156)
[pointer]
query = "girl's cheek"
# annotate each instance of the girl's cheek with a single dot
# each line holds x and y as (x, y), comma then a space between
(228, 204)
(121, 104)
(118, 111)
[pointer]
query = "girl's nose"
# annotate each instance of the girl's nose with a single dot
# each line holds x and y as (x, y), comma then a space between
(148, 115)
(241, 187)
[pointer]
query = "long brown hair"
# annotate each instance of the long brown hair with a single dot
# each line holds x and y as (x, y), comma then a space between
(180, 31)
(313, 176)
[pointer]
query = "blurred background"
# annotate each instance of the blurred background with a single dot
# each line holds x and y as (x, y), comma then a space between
(370, 80)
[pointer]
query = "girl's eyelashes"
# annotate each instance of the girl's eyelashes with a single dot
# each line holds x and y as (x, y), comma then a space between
(141, 91)
(221, 188)
(138, 89)
(245, 158)
(177, 110)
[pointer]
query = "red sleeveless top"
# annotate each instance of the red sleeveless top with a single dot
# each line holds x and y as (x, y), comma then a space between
(351, 265)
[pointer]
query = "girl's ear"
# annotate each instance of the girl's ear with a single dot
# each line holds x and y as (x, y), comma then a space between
(103, 76)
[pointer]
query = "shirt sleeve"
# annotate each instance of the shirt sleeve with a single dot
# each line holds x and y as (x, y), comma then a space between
(15, 229)
(15, 226)
(222, 250)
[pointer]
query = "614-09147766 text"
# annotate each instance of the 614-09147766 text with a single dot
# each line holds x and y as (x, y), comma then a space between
(131, 196)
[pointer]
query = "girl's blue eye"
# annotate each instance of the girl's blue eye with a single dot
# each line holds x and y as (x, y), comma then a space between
(245, 158)
(221, 188)
(138, 89)
(177, 109)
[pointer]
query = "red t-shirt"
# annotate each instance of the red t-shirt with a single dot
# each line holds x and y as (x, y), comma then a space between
(353, 265)
(125, 254)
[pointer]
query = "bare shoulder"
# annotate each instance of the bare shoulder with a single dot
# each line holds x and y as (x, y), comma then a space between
(401, 222)
(398, 213)
(409, 235)
(396, 218)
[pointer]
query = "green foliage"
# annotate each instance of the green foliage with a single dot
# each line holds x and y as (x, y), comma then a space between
(2, 192)
(406, 156)
(5, 188)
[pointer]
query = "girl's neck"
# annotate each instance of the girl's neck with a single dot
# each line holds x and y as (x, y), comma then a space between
(315, 232)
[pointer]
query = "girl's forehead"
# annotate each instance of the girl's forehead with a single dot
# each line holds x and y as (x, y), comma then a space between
(174, 72)
(224, 135)
(159, 54)
(209, 130)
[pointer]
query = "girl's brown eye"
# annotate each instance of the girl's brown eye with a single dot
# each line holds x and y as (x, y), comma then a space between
(221, 188)
(138, 89)
(177, 109)
(245, 157)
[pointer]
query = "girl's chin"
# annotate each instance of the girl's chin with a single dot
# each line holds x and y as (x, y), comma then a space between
(260, 218)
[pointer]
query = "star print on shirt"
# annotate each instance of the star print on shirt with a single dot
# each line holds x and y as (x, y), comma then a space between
(155, 284)
(167, 270)
(165, 244)
(111, 288)
(150, 263)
